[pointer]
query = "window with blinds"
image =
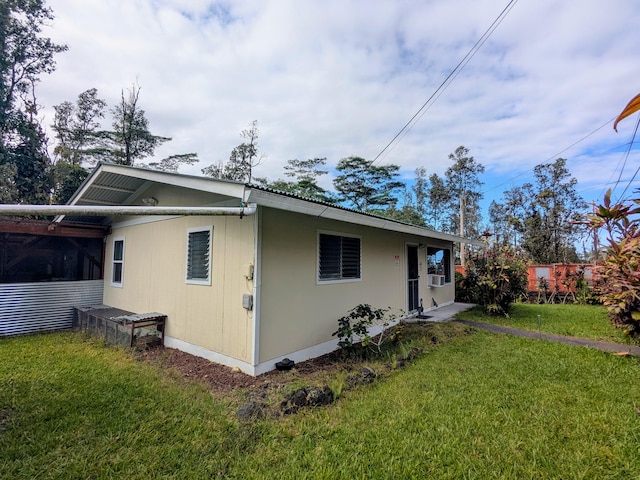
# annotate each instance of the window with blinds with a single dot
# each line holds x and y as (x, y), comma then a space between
(199, 256)
(338, 257)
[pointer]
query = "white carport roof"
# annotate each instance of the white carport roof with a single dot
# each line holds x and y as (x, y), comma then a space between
(115, 185)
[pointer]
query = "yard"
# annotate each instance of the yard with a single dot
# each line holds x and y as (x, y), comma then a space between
(473, 405)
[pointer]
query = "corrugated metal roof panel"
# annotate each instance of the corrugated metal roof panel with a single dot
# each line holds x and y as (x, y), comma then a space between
(47, 306)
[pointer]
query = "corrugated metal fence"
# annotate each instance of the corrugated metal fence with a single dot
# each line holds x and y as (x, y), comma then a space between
(39, 307)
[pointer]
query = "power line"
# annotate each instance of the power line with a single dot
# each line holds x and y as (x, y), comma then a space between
(552, 157)
(626, 157)
(447, 81)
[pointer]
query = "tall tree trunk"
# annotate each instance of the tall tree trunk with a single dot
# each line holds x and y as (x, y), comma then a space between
(462, 244)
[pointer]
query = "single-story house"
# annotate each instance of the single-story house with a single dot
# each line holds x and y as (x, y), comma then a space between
(248, 276)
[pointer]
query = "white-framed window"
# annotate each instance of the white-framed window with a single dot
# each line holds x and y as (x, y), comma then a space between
(339, 257)
(117, 262)
(439, 262)
(198, 265)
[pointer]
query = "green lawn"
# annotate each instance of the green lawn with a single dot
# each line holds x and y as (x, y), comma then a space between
(477, 405)
(585, 321)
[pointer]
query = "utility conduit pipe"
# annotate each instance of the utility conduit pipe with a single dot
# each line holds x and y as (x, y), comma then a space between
(109, 210)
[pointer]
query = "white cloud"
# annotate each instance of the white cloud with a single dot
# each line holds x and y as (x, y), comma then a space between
(340, 78)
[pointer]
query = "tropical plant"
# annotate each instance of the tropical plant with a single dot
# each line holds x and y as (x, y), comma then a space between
(619, 274)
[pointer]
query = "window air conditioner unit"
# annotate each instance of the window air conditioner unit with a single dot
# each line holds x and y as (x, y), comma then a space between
(436, 280)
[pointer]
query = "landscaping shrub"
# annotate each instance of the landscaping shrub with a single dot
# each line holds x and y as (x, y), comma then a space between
(467, 287)
(353, 329)
(496, 279)
(618, 282)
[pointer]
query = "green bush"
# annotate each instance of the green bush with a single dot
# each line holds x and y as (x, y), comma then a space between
(495, 279)
(467, 287)
(353, 329)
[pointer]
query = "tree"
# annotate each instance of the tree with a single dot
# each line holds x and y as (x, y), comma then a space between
(438, 201)
(76, 128)
(81, 141)
(302, 170)
(30, 158)
(420, 191)
(25, 55)
(508, 217)
(542, 217)
(305, 174)
(407, 214)
(243, 159)
(554, 211)
(131, 138)
(66, 179)
(78, 144)
(367, 187)
(463, 184)
(173, 162)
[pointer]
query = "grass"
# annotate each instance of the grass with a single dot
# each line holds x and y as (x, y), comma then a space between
(476, 405)
(585, 321)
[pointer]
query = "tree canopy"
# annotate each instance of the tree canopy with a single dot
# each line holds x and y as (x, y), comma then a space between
(243, 159)
(367, 187)
(542, 216)
(25, 55)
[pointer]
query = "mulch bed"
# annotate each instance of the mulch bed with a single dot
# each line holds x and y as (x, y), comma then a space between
(222, 379)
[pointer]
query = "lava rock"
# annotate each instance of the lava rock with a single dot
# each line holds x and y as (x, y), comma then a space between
(319, 396)
(251, 411)
(306, 397)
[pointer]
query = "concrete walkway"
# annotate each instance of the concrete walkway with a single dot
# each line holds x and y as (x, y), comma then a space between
(581, 342)
(448, 312)
(445, 313)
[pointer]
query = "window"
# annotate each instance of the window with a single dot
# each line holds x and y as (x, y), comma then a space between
(439, 262)
(117, 270)
(338, 258)
(199, 256)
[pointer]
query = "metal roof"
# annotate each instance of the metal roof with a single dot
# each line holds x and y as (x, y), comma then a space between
(111, 184)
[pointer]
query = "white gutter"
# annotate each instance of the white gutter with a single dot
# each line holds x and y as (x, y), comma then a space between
(109, 210)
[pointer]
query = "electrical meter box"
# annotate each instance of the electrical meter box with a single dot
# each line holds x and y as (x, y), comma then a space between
(247, 301)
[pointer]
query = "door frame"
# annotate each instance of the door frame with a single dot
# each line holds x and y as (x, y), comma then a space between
(413, 284)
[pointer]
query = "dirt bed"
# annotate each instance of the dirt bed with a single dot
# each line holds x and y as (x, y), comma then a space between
(223, 380)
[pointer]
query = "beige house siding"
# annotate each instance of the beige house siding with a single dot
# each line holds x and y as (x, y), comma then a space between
(208, 316)
(297, 312)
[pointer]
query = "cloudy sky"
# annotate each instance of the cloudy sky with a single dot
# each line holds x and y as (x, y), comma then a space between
(336, 78)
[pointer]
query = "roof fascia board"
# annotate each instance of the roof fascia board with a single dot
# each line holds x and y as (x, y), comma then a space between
(281, 202)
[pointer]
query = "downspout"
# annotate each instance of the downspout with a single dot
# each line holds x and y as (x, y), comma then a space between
(109, 210)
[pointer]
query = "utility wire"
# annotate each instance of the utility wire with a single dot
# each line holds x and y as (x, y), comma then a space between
(552, 157)
(626, 157)
(447, 81)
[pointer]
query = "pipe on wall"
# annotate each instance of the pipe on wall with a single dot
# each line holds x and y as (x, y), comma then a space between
(109, 210)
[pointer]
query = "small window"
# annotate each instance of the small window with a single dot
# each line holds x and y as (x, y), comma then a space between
(117, 270)
(338, 258)
(439, 262)
(199, 256)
